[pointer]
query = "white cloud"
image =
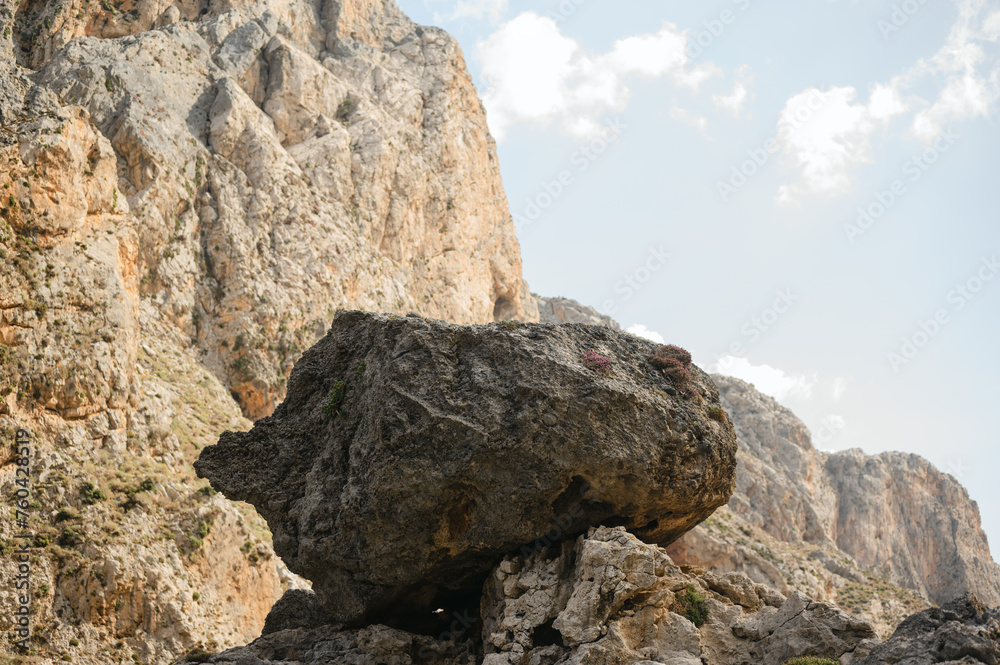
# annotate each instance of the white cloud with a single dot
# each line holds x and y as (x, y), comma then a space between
(698, 122)
(826, 141)
(970, 75)
(639, 330)
(533, 72)
(991, 26)
(734, 101)
(475, 9)
(824, 134)
(838, 387)
(768, 380)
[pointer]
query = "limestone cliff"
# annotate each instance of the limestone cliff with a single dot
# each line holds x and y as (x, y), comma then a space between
(188, 192)
(848, 527)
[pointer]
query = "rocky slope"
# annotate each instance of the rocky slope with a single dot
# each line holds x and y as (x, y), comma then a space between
(846, 527)
(605, 599)
(189, 192)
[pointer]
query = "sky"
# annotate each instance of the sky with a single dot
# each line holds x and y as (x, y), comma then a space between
(804, 194)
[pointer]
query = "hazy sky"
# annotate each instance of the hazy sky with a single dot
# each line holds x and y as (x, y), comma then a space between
(804, 194)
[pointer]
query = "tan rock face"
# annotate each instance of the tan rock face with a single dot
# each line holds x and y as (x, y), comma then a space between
(881, 535)
(70, 251)
(898, 514)
(280, 163)
(188, 192)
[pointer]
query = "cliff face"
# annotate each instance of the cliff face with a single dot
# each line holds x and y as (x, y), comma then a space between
(266, 165)
(847, 526)
(189, 192)
(897, 514)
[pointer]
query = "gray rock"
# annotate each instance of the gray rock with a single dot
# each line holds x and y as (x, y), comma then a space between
(565, 310)
(373, 645)
(962, 631)
(853, 515)
(298, 608)
(243, 45)
(411, 455)
(605, 599)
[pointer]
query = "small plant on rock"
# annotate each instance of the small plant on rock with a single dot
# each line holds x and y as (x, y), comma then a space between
(345, 108)
(675, 364)
(91, 494)
(596, 362)
(690, 604)
(335, 400)
(717, 413)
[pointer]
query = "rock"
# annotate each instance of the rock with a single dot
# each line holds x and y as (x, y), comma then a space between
(271, 180)
(628, 598)
(845, 527)
(373, 645)
(297, 608)
(150, 199)
(411, 455)
(961, 632)
(605, 599)
(897, 514)
(564, 310)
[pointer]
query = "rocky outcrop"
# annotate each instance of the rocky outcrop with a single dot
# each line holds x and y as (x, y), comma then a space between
(961, 632)
(565, 310)
(279, 169)
(897, 514)
(605, 599)
(847, 527)
(410, 454)
(189, 192)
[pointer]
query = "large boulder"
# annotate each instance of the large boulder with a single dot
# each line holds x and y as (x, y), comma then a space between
(411, 455)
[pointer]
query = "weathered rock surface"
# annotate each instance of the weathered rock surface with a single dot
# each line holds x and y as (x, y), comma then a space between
(605, 599)
(298, 608)
(189, 191)
(329, 645)
(897, 514)
(846, 526)
(611, 599)
(961, 632)
(454, 445)
(565, 310)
